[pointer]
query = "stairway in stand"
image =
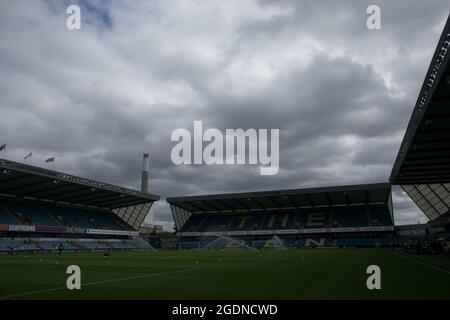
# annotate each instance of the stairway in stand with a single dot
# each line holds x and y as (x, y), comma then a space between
(51, 216)
(76, 244)
(20, 219)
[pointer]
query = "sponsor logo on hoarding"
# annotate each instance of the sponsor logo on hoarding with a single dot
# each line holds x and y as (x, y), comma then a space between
(50, 229)
(112, 232)
(14, 227)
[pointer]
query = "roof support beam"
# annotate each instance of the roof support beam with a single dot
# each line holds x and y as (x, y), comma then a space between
(57, 196)
(327, 195)
(196, 207)
(275, 201)
(138, 215)
(95, 198)
(28, 185)
(260, 205)
(14, 179)
(209, 204)
(241, 204)
(426, 200)
(437, 196)
(292, 200)
(119, 204)
(348, 200)
(310, 200)
(73, 194)
(223, 203)
(50, 189)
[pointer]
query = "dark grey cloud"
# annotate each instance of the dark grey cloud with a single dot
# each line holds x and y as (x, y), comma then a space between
(97, 98)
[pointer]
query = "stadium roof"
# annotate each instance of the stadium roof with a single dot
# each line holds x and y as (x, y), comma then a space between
(25, 181)
(432, 199)
(422, 167)
(283, 199)
(424, 155)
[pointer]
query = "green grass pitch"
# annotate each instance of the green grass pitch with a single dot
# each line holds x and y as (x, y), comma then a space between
(281, 274)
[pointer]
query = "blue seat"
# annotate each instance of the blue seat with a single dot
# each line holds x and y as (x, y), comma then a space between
(380, 217)
(31, 212)
(350, 217)
(5, 218)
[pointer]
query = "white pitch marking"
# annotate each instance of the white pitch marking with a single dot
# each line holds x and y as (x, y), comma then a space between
(100, 282)
(421, 262)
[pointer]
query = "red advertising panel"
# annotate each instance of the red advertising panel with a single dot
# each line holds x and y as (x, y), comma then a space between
(50, 229)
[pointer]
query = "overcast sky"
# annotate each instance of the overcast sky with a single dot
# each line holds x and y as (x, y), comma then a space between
(97, 98)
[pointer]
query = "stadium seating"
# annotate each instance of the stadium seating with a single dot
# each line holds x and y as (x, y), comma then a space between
(242, 222)
(6, 245)
(194, 223)
(278, 221)
(73, 216)
(350, 217)
(53, 245)
(217, 222)
(103, 220)
(32, 212)
(36, 245)
(312, 218)
(379, 217)
(384, 241)
(269, 242)
(57, 216)
(304, 219)
(47, 215)
(5, 218)
(93, 245)
(116, 244)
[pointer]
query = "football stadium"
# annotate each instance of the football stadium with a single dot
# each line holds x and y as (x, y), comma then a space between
(311, 243)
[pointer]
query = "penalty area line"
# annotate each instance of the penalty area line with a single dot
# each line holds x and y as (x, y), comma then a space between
(88, 284)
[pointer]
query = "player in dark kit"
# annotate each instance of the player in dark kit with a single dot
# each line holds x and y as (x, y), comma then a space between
(60, 248)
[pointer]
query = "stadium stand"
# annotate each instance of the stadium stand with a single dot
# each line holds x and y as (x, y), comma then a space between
(33, 214)
(6, 218)
(422, 166)
(357, 216)
(50, 215)
(290, 219)
(50, 245)
(41, 209)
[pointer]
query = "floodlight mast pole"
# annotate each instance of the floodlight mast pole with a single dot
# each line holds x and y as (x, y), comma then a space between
(145, 170)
